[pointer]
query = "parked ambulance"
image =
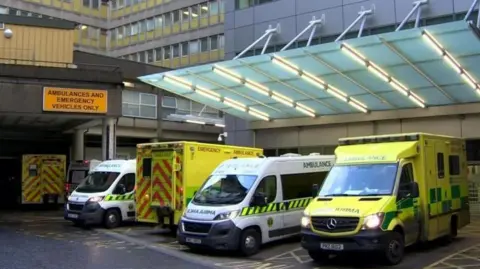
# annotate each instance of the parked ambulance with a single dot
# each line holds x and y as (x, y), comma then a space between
(247, 202)
(105, 196)
(388, 192)
(77, 171)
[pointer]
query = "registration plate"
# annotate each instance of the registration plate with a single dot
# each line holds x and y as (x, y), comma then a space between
(328, 246)
(193, 240)
(73, 216)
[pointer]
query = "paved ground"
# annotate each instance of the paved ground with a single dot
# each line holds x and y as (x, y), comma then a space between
(50, 243)
(137, 242)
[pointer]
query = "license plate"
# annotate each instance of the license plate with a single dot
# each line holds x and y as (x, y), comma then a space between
(194, 240)
(73, 216)
(328, 246)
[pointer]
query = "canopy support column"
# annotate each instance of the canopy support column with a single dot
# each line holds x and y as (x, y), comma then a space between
(268, 33)
(311, 25)
(416, 7)
(475, 3)
(362, 15)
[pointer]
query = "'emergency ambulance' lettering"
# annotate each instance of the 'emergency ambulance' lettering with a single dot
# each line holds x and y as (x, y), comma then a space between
(207, 149)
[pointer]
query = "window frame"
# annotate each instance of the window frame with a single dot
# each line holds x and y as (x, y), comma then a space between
(264, 181)
(140, 104)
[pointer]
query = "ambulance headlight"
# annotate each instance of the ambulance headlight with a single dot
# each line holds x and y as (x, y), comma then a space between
(373, 221)
(95, 199)
(305, 221)
(227, 215)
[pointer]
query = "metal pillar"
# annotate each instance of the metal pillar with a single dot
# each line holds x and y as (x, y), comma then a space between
(268, 33)
(311, 25)
(109, 139)
(362, 15)
(475, 3)
(78, 145)
(417, 6)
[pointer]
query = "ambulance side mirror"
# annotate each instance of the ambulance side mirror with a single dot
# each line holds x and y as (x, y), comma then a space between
(315, 190)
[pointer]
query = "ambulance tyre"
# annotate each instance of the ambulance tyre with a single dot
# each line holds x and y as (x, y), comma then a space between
(250, 241)
(453, 231)
(395, 250)
(112, 218)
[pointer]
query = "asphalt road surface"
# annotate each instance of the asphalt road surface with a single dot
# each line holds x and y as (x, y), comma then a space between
(37, 245)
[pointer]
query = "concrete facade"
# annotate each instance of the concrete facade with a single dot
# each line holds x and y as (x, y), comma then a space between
(244, 26)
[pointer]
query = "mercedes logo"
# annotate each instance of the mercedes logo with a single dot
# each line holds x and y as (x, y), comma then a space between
(331, 224)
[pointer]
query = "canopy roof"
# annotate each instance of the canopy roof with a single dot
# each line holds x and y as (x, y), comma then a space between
(421, 67)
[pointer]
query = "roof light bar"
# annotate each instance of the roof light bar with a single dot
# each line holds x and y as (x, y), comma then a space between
(319, 83)
(382, 74)
(264, 90)
(216, 97)
(450, 60)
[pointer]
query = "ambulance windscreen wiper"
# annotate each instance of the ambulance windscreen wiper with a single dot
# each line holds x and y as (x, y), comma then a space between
(339, 195)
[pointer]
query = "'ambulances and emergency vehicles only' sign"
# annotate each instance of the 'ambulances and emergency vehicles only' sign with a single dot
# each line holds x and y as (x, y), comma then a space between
(75, 100)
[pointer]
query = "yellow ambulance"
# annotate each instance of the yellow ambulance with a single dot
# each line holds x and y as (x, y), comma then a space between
(169, 174)
(388, 192)
(43, 179)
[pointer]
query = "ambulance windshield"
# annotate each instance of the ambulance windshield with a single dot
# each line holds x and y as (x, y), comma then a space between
(360, 180)
(224, 189)
(97, 182)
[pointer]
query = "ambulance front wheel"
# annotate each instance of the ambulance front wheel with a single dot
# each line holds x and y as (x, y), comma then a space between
(112, 219)
(250, 242)
(395, 249)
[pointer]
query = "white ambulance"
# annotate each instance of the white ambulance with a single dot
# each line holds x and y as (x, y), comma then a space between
(247, 202)
(105, 196)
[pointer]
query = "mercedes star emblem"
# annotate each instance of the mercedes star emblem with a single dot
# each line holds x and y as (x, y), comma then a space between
(331, 224)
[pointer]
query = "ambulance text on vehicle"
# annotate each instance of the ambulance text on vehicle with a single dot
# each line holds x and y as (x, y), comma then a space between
(388, 192)
(247, 202)
(105, 196)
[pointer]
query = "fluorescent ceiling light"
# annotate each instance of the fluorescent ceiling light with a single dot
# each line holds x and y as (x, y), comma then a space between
(195, 122)
(382, 74)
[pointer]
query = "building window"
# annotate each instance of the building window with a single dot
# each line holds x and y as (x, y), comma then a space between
(84, 31)
(167, 20)
(158, 54)
(143, 26)
(149, 56)
(213, 43)
(204, 10)
(86, 3)
(158, 22)
(128, 30)
(241, 4)
(139, 105)
(176, 50)
(169, 102)
(134, 28)
(176, 16)
(204, 44)
(194, 12)
(193, 47)
(96, 4)
(150, 25)
(221, 41)
(454, 165)
(166, 53)
(185, 15)
(214, 8)
(185, 49)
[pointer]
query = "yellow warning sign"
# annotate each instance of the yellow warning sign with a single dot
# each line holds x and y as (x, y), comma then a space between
(75, 100)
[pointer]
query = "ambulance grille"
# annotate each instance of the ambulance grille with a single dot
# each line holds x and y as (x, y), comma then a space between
(75, 207)
(196, 227)
(335, 224)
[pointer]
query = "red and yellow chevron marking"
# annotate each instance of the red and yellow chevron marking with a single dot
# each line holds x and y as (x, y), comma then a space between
(31, 185)
(142, 192)
(162, 194)
(179, 185)
(52, 179)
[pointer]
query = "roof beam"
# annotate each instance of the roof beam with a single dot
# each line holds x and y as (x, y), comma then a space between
(417, 6)
(320, 60)
(311, 98)
(313, 24)
(268, 34)
(362, 15)
(418, 70)
(475, 3)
